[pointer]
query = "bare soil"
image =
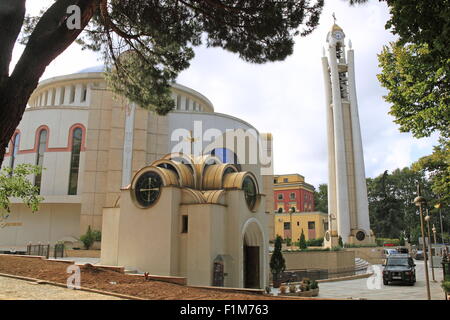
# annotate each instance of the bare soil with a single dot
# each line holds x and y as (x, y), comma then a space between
(116, 282)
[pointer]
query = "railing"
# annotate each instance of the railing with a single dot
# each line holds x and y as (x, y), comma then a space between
(43, 250)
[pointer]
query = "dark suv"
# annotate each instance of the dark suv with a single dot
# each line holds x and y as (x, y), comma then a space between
(399, 267)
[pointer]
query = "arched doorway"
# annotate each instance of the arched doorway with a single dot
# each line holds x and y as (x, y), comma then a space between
(253, 249)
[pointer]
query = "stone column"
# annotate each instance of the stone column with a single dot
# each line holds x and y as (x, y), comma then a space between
(130, 111)
(343, 216)
(330, 139)
(362, 205)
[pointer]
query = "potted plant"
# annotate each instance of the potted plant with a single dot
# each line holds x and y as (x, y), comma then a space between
(292, 288)
(306, 288)
(277, 263)
(314, 287)
(283, 289)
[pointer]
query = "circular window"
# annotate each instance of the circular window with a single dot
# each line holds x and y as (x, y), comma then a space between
(360, 235)
(249, 188)
(148, 189)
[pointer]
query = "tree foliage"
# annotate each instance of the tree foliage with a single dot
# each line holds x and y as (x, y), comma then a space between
(416, 68)
(277, 262)
(418, 88)
(321, 198)
(161, 36)
(437, 167)
(15, 184)
(302, 241)
(393, 213)
(145, 43)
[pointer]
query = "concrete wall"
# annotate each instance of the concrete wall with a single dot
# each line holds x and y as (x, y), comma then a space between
(333, 261)
(371, 255)
(51, 224)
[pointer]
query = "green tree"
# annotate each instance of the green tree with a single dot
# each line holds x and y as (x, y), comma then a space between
(437, 167)
(145, 43)
(418, 88)
(15, 184)
(321, 198)
(302, 242)
(340, 242)
(391, 208)
(277, 262)
(416, 68)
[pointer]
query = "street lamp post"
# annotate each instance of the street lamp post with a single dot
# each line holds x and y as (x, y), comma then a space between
(291, 211)
(430, 247)
(434, 233)
(420, 202)
(439, 206)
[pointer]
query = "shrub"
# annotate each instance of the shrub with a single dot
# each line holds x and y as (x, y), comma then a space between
(277, 262)
(292, 288)
(97, 235)
(382, 241)
(314, 285)
(354, 245)
(446, 286)
(305, 285)
(341, 243)
(314, 242)
(88, 239)
(288, 242)
(302, 243)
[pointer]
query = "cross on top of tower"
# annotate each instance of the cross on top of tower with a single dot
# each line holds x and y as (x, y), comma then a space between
(334, 17)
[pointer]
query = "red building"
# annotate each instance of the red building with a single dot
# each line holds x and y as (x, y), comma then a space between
(291, 191)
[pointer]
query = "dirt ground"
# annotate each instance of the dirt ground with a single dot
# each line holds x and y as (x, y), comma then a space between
(111, 281)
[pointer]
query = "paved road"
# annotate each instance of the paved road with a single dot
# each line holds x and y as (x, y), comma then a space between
(13, 289)
(360, 288)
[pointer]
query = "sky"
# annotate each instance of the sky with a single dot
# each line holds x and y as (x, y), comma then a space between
(287, 98)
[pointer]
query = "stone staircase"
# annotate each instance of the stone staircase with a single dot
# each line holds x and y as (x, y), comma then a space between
(361, 264)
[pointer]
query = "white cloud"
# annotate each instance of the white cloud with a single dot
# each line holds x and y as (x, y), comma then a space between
(286, 98)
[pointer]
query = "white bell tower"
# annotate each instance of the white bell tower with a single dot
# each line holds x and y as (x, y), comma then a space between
(347, 190)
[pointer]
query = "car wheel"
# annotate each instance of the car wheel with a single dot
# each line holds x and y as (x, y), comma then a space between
(385, 282)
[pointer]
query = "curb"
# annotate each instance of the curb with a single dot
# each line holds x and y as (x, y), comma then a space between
(359, 276)
(56, 284)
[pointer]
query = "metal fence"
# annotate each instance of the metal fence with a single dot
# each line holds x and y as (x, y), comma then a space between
(58, 251)
(44, 250)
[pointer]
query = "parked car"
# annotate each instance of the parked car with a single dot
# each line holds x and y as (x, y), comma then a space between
(388, 252)
(399, 267)
(402, 250)
(418, 255)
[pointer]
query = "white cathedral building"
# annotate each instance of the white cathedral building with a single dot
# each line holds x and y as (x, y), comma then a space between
(92, 144)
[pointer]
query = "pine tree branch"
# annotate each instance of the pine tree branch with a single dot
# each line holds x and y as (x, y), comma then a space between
(12, 14)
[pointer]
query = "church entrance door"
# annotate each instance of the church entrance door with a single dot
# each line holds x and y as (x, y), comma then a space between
(251, 267)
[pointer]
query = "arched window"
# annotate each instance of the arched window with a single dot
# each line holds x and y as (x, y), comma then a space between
(14, 149)
(77, 139)
(43, 134)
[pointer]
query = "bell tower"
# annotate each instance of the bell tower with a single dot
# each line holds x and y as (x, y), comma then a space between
(347, 190)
